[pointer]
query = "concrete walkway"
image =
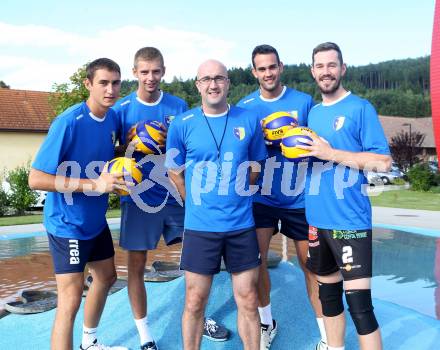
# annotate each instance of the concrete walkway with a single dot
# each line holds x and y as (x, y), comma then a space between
(397, 218)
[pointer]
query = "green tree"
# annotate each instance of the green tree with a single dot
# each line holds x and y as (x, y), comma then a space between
(67, 94)
(3, 85)
(21, 197)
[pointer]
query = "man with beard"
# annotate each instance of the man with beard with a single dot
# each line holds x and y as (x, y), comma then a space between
(155, 211)
(209, 151)
(279, 205)
(350, 139)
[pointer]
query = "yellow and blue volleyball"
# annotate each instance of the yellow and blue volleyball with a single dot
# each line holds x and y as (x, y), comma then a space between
(290, 143)
(148, 133)
(127, 166)
(276, 125)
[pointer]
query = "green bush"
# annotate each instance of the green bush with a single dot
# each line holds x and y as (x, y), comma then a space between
(399, 181)
(4, 201)
(21, 197)
(421, 177)
(113, 201)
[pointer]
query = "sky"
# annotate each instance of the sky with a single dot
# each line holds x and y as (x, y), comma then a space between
(45, 42)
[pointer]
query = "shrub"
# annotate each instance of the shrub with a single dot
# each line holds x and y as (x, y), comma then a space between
(113, 201)
(4, 201)
(399, 181)
(421, 177)
(21, 197)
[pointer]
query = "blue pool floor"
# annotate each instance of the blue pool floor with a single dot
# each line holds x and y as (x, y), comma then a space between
(401, 328)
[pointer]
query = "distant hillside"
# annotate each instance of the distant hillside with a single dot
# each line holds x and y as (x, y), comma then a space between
(397, 87)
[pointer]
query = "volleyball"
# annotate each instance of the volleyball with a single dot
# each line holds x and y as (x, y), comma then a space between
(290, 143)
(276, 125)
(148, 133)
(125, 165)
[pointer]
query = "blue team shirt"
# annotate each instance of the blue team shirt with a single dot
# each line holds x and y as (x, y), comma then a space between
(216, 202)
(77, 136)
(131, 110)
(287, 192)
(349, 124)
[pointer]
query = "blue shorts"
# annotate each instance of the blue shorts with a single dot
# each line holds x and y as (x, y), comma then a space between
(71, 255)
(293, 221)
(142, 231)
(202, 251)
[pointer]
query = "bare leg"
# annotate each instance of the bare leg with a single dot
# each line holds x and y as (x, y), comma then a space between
(372, 341)
(69, 287)
(264, 235)
(302, 248)
(246, 296)
(136, 285)
(104, 275)
(197, 288)
(334, 326)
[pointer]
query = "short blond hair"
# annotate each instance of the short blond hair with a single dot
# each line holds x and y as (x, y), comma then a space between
(148, 54)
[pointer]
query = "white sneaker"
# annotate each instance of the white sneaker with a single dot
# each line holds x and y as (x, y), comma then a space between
(268, 333)
(322, 345)
(97, 346)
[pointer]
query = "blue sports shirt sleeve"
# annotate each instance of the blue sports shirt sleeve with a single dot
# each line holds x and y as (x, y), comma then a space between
(257, 147)
(176, 151)
(372, 136)
(54, 147)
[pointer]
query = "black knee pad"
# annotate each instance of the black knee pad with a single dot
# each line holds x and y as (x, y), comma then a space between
(330, 295)
(361, 310)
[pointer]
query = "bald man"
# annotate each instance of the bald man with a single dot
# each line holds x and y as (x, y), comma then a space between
(212, 157)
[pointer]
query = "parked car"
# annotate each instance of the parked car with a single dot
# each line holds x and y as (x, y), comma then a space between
(385, 178)
(41, 195)
(433, 166)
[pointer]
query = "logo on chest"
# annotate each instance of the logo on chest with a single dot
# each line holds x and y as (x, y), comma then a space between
(169, 119)
(339, 122)
(239, 133)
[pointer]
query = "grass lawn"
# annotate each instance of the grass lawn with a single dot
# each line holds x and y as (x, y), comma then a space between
(38, 218)
(407, 199)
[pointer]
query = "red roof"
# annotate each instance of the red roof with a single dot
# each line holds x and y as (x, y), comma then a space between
(24, 110)
(393, 125)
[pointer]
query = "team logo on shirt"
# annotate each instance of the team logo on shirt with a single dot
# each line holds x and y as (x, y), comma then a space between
(239, 133)
(339, 122)
(113, 137)
(169, 119)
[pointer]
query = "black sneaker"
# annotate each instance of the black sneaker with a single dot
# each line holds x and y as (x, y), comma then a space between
(149, 346)
(214, 331)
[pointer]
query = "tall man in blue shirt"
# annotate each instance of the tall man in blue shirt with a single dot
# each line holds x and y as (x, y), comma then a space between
(351, 139)
(209, 152)
(80, 140)
(284, 200)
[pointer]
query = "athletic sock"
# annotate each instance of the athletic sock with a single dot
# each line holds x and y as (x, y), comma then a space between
(265, 314)
(335, 347)
(144, 332)
(320, 322)
(88, 337)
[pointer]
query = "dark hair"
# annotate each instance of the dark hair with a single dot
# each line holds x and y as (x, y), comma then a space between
(264, 50)
(327, 47)
(101, 63)
(148, 54)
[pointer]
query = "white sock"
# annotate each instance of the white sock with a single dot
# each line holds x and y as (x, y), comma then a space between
(89, 336)
(320, 322)
(144, 332)
(265, 314)
(335, 347)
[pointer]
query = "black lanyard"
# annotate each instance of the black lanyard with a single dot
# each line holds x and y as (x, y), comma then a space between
(217, 145)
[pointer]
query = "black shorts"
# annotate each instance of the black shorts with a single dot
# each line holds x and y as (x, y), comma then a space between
(71, 255)
(293, 221)
(349, 251)
(202, 251)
